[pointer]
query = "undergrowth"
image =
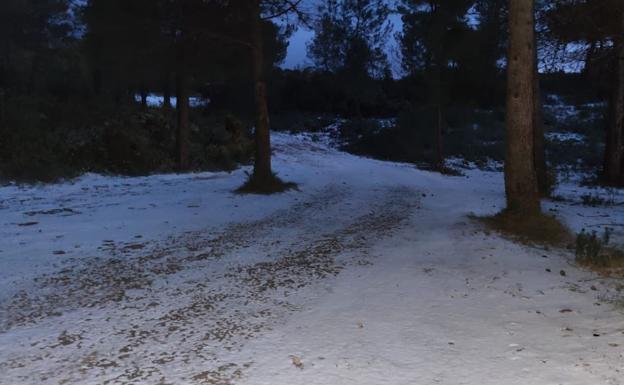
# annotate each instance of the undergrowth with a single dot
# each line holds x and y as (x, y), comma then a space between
(592, 250)
(265, 185)
(596, 252)
(534, 229)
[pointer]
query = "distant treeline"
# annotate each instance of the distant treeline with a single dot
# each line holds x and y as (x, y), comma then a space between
(75, 76)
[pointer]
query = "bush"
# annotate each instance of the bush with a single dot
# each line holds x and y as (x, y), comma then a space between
(475, 135)
(410, 139)
(596, 200)
(45, 140)
(592, 250)
(299, 122)
(33, 141)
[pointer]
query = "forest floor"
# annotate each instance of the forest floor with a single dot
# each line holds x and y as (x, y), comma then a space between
(371, 273)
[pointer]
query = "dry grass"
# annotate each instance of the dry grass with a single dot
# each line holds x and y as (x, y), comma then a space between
(534, 229)
(265, 185)
(546, 231)
(610, 262)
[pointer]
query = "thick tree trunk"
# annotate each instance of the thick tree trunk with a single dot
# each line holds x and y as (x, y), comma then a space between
(182, 95)
(614, 152)
(262, 162)
(541, 168)
(520, 176)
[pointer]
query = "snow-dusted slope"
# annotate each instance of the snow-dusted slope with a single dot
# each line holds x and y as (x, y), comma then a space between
(370, 274)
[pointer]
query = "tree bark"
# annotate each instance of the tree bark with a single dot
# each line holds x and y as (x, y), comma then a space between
(541, 168)
(262, 162)
(143, 92)
(439, 135)
(96, 77)
(614, 151)
(167, 91)
(436, 92)
(520, 176)
(182, 95)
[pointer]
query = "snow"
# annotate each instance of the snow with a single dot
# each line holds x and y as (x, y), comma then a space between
(565, 137)
(562, 111)
(155, 100)
(371, 273)
(580, 216)
(488, 164)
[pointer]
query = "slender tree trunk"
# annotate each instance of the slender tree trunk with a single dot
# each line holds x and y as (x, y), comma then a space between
(118, 94)
(167, 90)
(97, 81)
(31, 88)
(614, 151)
(541, 168)
(143, 92)
(438, 102)
(262, 162)
(182, 95)
(358, 108)
(439, 141)
(520, 176)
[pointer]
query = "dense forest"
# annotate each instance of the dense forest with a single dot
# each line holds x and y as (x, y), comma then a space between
(76, 77)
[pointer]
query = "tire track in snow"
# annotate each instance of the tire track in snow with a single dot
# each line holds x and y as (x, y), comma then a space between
(180, 305)
(93, 282)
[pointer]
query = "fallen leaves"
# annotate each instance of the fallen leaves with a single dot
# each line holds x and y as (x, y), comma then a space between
(296, 361)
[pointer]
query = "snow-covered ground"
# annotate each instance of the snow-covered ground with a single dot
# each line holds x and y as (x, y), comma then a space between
(372, 273)
(565, 137)
(563, 111)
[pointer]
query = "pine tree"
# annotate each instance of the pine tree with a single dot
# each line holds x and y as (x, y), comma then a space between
(428, 42)
(257, 16)
(520, 176)
(595, 22)
(614, 152)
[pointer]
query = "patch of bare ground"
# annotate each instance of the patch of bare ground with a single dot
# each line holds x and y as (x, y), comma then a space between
(531, 229)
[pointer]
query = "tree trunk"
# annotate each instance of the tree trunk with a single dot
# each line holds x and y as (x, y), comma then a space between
(541, 168)
(614, 151)
(143, 92)
(436, 93)
(97, 81)
(118, 94)
(262, 162)
(182, 95)
(167, 91)
(439, 141)
(520, 176)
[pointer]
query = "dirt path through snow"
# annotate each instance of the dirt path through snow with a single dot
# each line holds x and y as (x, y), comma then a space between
(372, 274)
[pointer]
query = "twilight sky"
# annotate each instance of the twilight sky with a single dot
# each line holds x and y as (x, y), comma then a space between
(296, 56)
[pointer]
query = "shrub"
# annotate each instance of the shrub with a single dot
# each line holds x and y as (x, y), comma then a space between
(596, 200)
(410, 139)
(591, 250)
(44, 140)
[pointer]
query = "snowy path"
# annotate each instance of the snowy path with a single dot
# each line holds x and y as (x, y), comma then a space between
(371, 274)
